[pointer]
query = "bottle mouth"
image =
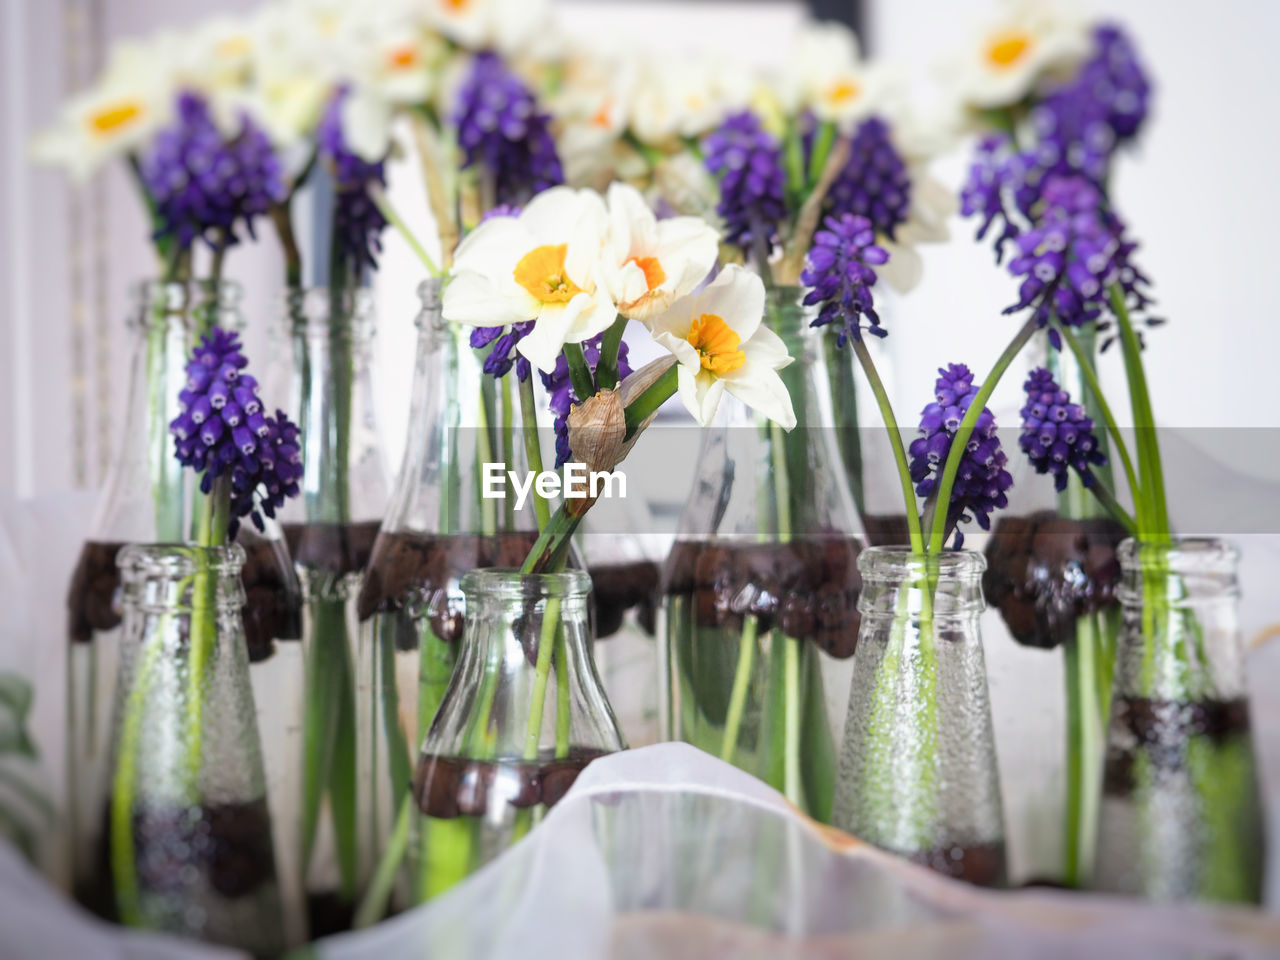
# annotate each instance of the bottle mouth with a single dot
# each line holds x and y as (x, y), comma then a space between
(511, 584)
(148, 561)
(160, 301)
(321, 311)
(1181, 555)
(897, 564)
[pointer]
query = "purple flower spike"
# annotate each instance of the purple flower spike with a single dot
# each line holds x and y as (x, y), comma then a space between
(261, 457)
(982, 482)
(358, 223)
(983, 192)
(500, 128)
(1072, 255)
(560, 387)
(502, 355)
(205, 187)
(874, 183)
(747, 160)
(839, 275)
(1057, 434)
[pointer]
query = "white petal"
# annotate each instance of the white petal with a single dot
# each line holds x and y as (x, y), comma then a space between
(632, 225)
(478, 300)
(737, 297)
(542, 345)
(904, 268)
(681, 349)
(760, 388)
(700, 394)
(766, 347)
(494, 246)
(366, 124)
(687, 248)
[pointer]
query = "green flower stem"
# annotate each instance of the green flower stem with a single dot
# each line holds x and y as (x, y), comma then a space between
(741, 684)
(562, 697)
(1143, 420)
(961, 440)
(555, 535)
(488, 509)
(781, 481)
(385, 207)
(546, 645)
(650, 399)
(215, 512)
(1087, 657)
(607, 368)
(1085, 363)
(533, 448)
(124, 871)
(373, 906)
(821, 150)
(793, 157)
(895, 440)
(791, 723)
(1108, 500)
(509, 447)
(844, 396)
(579, 371)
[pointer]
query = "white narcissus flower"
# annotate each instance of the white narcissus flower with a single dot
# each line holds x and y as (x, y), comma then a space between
(684, 97)
(131, 101)
(1009, 54)
(507, 26)
(654, 262)
(545, 265)
(827, 75)
(721, 344)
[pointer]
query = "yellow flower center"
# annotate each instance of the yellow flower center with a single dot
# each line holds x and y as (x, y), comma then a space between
(843, 91)
(1006, 49)
(456, 5)
(716, 343)
(115, 115)
(652, 269)
(234, 46)
(541, 272)
(402, 58)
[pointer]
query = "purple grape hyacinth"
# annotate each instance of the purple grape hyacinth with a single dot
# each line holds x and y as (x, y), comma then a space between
(501, 128)
(1057, 434)
(222, 430)
(1072, 255)
(358, 223)
(747, 160)
(983, 193)
(204, 186)
(838, 272)
(874, 183)
(982, 482)
(502, 355)
(559, 386)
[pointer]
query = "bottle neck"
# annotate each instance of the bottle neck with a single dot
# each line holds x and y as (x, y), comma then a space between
(897, 583)
(166, 580)
(1180, 638)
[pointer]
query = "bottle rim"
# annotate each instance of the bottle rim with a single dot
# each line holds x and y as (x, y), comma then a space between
(307, 311)
(138, 561)
(1180, 556)
(157, 302)
(892, 564)
(510, 584)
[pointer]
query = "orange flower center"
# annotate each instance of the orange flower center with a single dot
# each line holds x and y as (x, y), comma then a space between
(716, 343)
(402, 58)
(601, 119)
(1006, 49)
(114, 116)
(653, 272)
(843, 91)
(234, 46)
(541, 272)
(456, 4)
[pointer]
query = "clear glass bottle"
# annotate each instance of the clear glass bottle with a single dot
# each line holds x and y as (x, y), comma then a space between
(521, 718)
(761, 586)
(917, 773)
(624, 595)
(187, 831)
(437, 527)
(1181, 813)
(1052, 573)
(326, 334)
(147, 498)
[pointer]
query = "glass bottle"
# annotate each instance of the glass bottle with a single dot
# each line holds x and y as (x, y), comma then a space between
(327, 337)
(761, 586)
(188, 835)
(521, 718)
(147, 498)
(917, 773)
(438, 526)
(1052, 573)
(624, 594)
(1181, 814)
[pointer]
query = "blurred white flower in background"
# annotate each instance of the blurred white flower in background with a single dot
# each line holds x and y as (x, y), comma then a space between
(509, 27)
(684, 96)
(132, 100)
(1009, 54)
(825, 74)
